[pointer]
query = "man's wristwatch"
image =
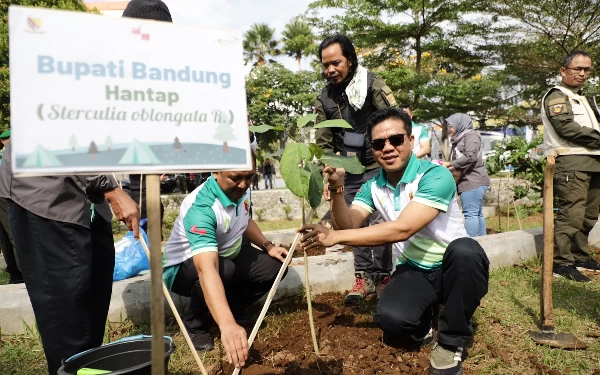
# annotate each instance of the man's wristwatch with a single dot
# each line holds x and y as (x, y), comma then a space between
(335, 190)
(266, 245)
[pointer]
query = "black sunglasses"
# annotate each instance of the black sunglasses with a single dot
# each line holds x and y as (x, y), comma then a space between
(395, 140)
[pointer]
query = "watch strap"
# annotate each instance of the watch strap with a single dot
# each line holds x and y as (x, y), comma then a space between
(335, 190)
(266, 244)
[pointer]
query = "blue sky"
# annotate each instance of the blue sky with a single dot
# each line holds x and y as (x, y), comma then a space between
(239, 14)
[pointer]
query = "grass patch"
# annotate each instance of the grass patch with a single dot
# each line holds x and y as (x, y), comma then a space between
(501, 344)
(267, 226)
(511, 308)
(501, 224)
(4, 276)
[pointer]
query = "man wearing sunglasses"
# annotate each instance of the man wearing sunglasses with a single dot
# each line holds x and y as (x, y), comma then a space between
(353, 94)
(572, 135)
(436, 260)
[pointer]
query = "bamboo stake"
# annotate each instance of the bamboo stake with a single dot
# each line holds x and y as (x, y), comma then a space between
(157, 307)
(270, 296)
(508, 208)
(499, 210)
(517, 213)
(309, 303)
(186, 336)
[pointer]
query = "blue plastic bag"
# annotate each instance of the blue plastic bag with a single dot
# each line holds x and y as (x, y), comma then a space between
(130, 258)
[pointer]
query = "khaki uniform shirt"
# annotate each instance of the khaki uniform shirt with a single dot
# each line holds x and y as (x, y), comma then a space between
(565, 126)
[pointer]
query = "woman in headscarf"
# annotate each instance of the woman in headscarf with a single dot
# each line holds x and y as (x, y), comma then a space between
(469, 171)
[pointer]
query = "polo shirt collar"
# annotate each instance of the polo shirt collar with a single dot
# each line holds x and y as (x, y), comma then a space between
(221, 196)
(410, 173)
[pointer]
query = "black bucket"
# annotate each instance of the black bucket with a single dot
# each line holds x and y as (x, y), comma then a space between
(131, 356)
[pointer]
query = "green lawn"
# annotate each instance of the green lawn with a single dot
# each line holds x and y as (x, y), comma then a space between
(501, 344)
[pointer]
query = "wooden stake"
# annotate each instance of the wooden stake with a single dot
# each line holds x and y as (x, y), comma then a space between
(309, 303)
(517, 213)
(157, 310)
(270, 296)
(184, 331)
(508, 206)
(548, 254)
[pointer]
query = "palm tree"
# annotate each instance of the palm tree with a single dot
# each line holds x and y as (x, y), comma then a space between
(298, 39)
(259, 42)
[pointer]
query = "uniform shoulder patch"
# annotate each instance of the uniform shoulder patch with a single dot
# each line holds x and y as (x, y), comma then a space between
(554, 101)
(388, 96)
(557, 109)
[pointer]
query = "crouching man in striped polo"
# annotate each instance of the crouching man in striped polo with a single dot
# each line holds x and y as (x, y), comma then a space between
(436, 260)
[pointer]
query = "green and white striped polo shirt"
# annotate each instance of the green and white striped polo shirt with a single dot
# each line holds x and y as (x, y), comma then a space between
(208, 221)
(426, 183)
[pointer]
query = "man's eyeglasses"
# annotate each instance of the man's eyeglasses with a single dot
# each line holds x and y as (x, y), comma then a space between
(584, 70)
(395, 140)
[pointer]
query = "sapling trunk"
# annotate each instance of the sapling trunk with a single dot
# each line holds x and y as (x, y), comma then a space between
(309, 303)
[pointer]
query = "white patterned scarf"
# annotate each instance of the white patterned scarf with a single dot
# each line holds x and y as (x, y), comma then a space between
(357, 88)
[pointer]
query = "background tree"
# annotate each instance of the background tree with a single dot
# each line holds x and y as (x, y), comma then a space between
(531, 38)
(4, 72)
(276, 97)
(298, 40)
(259, 43)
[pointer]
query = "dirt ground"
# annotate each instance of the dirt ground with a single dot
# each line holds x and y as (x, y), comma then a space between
(349, 343)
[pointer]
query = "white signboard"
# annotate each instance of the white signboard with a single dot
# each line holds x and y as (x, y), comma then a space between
(93, 94)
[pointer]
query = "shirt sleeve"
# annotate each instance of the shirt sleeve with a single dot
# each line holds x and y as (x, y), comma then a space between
(436, 188)
(424, 134)
(560, 113)
(200, 225)
(383, 96)
(364, 198)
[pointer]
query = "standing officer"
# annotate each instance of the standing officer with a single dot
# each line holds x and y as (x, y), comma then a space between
(572, 135)
(353, 94)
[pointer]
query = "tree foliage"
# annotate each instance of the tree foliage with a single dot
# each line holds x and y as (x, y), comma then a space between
(259, 43)
(298, 40)
(532, 37)
(276, 96)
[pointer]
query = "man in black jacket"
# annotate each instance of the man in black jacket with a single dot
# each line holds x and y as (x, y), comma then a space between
(353, 94)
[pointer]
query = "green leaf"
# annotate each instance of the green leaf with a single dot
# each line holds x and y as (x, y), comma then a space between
(263, 128)
(338, 123)
(275, 154)
(316, 150)
(303, 121)
(351, 164)
(315, 185)
(295, 177)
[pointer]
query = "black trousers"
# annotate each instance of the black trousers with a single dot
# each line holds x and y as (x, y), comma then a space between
(246, 278)
(7, 243)
(578, 196)
(407, 302)
(376, 262)
(68, 271)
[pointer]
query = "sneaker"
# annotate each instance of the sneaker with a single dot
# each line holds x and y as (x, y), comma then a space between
(362, 287)
(588, 265)
(446, 360)
(203, 341)
(571, 273)
(425, 340)
(381, 285)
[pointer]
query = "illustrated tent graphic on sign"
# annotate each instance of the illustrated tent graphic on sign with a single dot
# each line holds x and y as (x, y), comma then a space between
(42, 158)
(139, 153)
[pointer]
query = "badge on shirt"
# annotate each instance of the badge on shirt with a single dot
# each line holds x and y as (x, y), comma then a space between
(557, 109)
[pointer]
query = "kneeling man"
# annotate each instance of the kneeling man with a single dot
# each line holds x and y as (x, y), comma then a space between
(436, 261)
(205, 260)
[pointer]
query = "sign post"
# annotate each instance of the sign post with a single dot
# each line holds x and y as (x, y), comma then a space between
(97, 95)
